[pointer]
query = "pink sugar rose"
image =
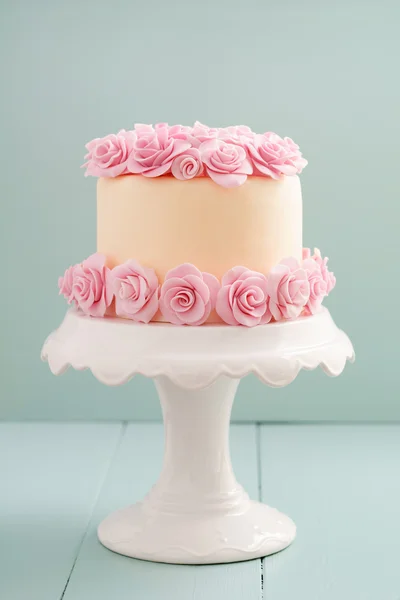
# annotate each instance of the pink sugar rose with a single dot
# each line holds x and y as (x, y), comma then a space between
(202, 133)
(188, 296)
(154, 151)
(226, 164)
(91, 286)
(273, 156)
(108, 156)
(243, 298)
(328, 276)
(141, 129)
(187, 165)
(136, 291)
(236, 134)
(65, 284)
(180, 132)
(288, 289)
(289, 143)
(317, 285)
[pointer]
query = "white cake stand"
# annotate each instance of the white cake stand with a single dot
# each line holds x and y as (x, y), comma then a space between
(197, 512)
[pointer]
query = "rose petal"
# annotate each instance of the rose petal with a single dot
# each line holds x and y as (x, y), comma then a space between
(233, 275)
(223, 307)
(230, 180)
(182, 270)
(199, 286)
(214, 287)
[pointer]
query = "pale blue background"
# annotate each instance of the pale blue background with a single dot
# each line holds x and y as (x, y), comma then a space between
(324, 73)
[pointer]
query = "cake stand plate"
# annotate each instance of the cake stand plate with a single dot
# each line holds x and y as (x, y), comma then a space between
(197, 512)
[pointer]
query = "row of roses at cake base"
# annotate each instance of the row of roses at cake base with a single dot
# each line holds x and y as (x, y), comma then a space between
(187, 296)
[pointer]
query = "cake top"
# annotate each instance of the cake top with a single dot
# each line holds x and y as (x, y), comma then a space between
(226, 154)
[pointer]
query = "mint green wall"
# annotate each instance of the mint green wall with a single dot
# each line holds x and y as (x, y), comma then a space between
(323, 73)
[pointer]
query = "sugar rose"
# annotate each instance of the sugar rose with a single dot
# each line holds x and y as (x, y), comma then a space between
(226, 164)
(136, 291)
(243, 298)
(188, 296)
(91, 286)
(187, 165)
(288, 289)
(271, 155)
(108, 156)
(154, 151)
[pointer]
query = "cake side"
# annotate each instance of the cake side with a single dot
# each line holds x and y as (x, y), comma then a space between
(164, 222)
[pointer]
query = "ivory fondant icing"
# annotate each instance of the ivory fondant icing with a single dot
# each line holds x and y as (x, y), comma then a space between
(165, 222)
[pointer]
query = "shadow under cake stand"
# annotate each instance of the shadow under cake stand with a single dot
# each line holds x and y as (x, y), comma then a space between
(197, 513)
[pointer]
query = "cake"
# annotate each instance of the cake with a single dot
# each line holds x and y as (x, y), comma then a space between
(198, 225)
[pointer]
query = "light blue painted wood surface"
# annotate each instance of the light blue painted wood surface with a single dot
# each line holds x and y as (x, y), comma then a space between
(50, 478)
(341, 485)
(100, 574)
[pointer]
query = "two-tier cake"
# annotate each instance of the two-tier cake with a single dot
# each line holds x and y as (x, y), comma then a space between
(198, 225)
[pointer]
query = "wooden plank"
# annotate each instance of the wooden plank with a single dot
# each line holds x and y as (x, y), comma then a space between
(50, 477)
(100, 574)
(341, 485)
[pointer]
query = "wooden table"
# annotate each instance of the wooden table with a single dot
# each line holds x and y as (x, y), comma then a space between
(340, 484)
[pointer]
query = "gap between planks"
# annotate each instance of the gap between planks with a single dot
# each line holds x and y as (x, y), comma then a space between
(96, 497)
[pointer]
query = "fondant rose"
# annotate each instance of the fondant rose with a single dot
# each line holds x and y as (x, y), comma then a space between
(136, 291)
(91, 286)
(188, 295)
(108, 156)
(142, 129)
(202, 133)
(236, 134)
(226, 164)
(65, 284)
(180, 132)
(154, 151)
(243, 298)
(288, 289)
(273, 156)
(187, 165)
(327, 276)
(317, 285)
(289, 144)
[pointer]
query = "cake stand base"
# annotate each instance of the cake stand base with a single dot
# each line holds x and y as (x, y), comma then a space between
(197, 539)
(197, 513)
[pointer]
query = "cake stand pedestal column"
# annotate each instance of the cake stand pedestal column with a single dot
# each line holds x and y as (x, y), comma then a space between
(197, 512)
